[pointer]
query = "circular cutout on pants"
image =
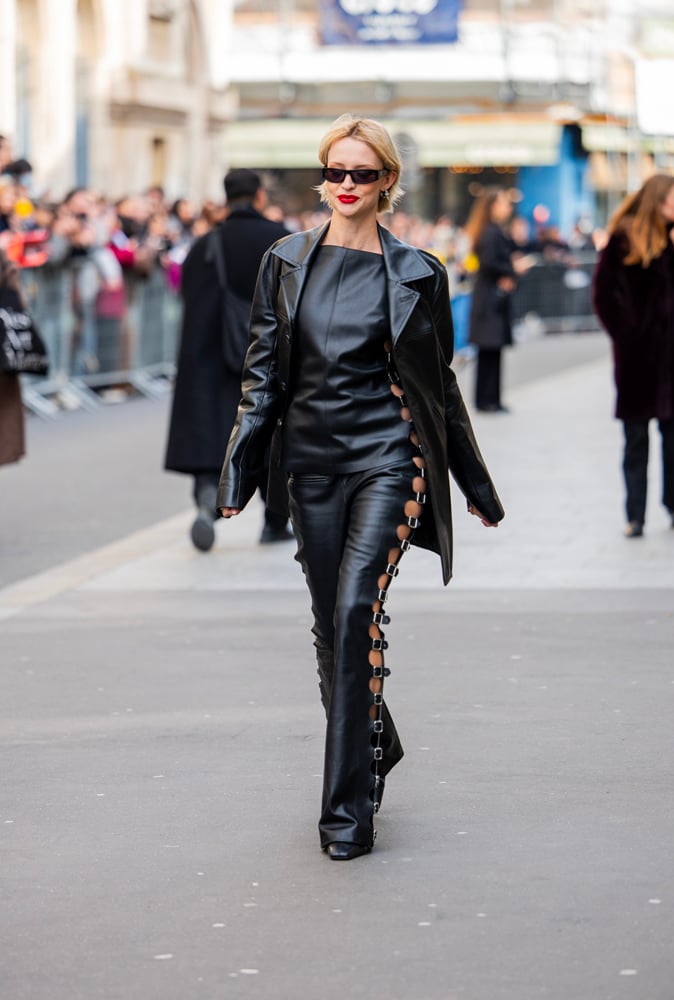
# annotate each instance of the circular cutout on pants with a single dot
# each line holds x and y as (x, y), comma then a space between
(413, 509)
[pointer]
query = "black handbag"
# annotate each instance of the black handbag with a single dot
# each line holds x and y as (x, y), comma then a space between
(22, 349)
(235, 311)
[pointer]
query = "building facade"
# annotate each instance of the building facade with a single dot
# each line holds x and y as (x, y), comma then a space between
(116, 94)
(542, 95)
(539, 94)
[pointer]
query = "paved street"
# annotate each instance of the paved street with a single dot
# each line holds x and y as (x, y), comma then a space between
(162, 734)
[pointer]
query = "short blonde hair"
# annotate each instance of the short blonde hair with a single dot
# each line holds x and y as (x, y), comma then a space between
(373, 133)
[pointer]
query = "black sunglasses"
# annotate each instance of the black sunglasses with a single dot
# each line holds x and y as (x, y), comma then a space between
(366, 175)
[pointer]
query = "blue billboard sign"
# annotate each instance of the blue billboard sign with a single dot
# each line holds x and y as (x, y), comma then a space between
(388, 22)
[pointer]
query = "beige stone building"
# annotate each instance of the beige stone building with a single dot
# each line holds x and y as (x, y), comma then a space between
(116, 94)
(122, 94)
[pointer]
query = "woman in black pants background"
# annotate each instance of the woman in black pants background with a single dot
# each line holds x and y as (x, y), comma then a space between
(634, 298)
(491, 308)
(347, 380)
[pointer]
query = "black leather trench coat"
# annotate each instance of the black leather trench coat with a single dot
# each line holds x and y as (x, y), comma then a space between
(423, 341)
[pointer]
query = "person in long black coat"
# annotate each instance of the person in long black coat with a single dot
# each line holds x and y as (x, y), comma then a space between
(633, 296)
(207, 391)
(490, 315)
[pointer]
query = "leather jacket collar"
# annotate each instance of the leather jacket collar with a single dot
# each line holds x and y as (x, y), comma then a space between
(404, 265)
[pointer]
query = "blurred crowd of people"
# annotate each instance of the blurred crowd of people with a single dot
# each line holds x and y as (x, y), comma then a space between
(109, 244)
(141, 230)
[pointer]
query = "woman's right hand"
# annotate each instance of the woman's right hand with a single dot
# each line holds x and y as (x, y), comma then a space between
(230, 511)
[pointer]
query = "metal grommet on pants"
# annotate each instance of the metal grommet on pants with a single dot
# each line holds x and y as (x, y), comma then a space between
(412, 510)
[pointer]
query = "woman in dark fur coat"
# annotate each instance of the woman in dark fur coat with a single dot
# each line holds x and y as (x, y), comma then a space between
(633, 297)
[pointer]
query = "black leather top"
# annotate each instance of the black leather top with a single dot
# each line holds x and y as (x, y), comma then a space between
(342, 416)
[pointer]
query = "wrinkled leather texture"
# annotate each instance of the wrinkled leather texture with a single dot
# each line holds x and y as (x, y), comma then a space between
(345, 527)
(423, 342)
(342, 416)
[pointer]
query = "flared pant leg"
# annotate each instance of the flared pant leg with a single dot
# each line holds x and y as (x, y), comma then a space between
(345, 527)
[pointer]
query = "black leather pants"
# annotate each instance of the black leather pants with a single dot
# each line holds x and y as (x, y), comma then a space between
(351, 531)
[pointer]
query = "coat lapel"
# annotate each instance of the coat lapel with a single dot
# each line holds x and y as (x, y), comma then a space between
(403, 265)
(297, 252)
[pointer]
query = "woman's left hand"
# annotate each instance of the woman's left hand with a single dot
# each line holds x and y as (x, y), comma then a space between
(476, 512)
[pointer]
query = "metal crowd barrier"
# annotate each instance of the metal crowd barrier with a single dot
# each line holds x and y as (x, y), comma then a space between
(89, 350)
(558, 295)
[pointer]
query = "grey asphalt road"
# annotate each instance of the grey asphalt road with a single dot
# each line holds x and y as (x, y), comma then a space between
(87, 479)
(161, 738)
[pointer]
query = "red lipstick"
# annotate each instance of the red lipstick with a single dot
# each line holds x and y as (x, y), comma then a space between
(347, 199)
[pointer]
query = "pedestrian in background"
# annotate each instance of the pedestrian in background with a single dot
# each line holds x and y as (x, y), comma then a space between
(351, 330)
(496, 280)
(12, 431)
(633, 296)
(461, 269)
(217, 285)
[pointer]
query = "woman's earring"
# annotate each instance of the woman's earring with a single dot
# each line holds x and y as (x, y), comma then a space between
(385, 193)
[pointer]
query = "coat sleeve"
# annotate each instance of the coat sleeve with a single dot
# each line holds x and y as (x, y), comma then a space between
(464, 460)
(609, 295)
(259, 406)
